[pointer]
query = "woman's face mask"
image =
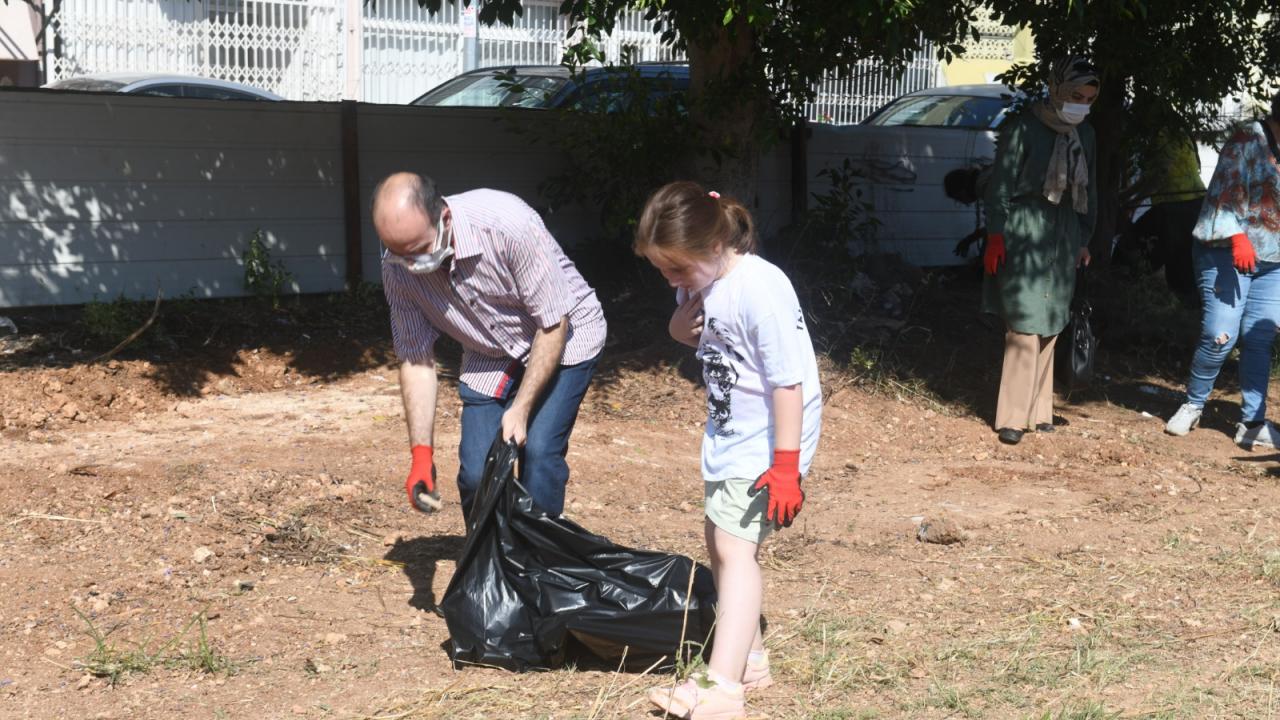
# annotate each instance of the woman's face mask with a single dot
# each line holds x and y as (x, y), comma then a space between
(424, 263)
(1073, 113)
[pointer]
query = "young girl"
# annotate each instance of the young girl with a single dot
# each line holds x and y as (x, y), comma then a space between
(763, 417)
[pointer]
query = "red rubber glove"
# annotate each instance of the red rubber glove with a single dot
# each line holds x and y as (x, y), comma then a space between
(782, 481)
(1242, 254)
(993, 258)
(421, 484)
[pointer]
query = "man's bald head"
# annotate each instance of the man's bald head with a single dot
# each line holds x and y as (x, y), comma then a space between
(405, 209)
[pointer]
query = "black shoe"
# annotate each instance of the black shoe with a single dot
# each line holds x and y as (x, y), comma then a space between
(1045, 427)
(1009, 436)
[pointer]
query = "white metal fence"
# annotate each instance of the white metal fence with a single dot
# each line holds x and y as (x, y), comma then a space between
(298, 48)
(291, 47)
(407, 50)
(849, 97)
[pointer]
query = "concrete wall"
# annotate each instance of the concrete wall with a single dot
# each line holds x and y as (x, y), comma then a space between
(111, 195)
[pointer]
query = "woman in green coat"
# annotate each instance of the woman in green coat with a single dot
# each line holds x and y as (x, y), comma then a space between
(1041, 206)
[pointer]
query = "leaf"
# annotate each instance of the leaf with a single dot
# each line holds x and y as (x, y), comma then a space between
(728, 16)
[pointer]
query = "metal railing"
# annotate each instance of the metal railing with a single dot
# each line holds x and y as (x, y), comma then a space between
(407, 50)
(291, 47)
(847, 98)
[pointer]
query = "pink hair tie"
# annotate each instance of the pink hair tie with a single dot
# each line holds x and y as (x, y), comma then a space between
(714, 194)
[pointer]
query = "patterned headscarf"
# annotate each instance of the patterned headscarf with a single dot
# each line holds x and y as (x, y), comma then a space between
(1068, 167)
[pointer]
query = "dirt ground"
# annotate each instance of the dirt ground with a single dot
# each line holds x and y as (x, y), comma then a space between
(237, 545)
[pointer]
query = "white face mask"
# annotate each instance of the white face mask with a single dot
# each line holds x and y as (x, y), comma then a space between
(1073, 113)
(424, 263)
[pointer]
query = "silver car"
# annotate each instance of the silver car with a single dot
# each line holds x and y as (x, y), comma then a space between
(163, 85)
(900, 155)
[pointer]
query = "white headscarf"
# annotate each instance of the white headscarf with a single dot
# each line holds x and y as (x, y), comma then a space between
(1068, 167)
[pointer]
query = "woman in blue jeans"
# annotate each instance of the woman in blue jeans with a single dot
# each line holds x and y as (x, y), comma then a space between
(1238, 265)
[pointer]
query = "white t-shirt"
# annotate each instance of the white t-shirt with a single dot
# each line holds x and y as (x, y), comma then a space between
(754, 339)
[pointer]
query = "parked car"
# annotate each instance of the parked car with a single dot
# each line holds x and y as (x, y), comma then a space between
(900, 156)
(551, 86)
(163, 85)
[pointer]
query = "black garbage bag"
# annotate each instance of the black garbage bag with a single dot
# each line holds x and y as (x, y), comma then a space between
(528, 585)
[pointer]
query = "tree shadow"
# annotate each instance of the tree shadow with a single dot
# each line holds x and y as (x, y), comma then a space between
(419, 558)
(922, 335)
(194, 344)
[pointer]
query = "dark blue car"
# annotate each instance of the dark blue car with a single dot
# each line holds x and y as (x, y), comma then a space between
(553, 86)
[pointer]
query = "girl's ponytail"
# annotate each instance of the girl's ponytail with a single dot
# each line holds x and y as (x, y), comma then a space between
(742, 228)
(683, 217)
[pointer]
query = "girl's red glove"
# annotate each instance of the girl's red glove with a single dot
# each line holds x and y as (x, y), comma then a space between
(421, 484)
(782, 481)
(993, 258)
(1242, 254)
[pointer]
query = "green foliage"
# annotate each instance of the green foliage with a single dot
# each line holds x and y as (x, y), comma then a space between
(1166, 67)
(754, 64)
(262, 277)
(108, 323)
(111, 322)
(841, 211)
(633, 136)
(1175, 60)
(788, 46)
(629, 137)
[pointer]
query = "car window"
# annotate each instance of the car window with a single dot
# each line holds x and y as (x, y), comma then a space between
(160, 91)
(495, 90)
(206, 92)
(954, 111)
(613, 93)
(88, 84)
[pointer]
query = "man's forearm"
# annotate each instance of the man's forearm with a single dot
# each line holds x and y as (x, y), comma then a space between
(418, 391)
(544, 359)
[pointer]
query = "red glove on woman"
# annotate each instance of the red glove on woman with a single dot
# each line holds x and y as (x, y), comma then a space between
(993, 258)
(421, 484)
(782, 481)
(1242, 254)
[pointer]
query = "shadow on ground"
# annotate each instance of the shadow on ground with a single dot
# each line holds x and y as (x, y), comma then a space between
(419, 558)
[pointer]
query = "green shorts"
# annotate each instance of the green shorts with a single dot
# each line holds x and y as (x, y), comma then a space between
(730, 508)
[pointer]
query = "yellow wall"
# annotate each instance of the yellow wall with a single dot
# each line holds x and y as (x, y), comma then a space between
(998, 50)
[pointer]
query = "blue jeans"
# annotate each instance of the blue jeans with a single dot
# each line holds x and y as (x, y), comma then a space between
(1244, 306)
(543, 470)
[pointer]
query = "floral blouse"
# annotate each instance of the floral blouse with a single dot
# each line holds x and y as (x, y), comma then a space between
(1244, 195)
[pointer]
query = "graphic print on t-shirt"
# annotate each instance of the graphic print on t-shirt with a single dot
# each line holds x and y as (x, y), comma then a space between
(720, 377)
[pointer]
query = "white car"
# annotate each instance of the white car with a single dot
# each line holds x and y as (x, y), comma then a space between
(163, 85)
(900, 155)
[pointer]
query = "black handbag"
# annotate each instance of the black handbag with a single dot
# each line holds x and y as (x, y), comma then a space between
(1077, 348)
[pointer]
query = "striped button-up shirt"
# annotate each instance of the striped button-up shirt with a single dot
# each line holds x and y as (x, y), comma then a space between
(507, 279)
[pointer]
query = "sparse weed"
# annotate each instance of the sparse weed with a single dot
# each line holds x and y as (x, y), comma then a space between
(115, 661)
(262, 277)
(1087, 711)
(112, 321)
(202, 656)
(949, 698)
(1270, 569)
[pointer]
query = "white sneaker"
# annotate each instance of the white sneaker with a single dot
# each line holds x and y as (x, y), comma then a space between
(1185, 420)
(1265, 435)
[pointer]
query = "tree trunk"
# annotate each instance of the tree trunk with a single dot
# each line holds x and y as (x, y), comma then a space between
(730, 107)
(1107, 118)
